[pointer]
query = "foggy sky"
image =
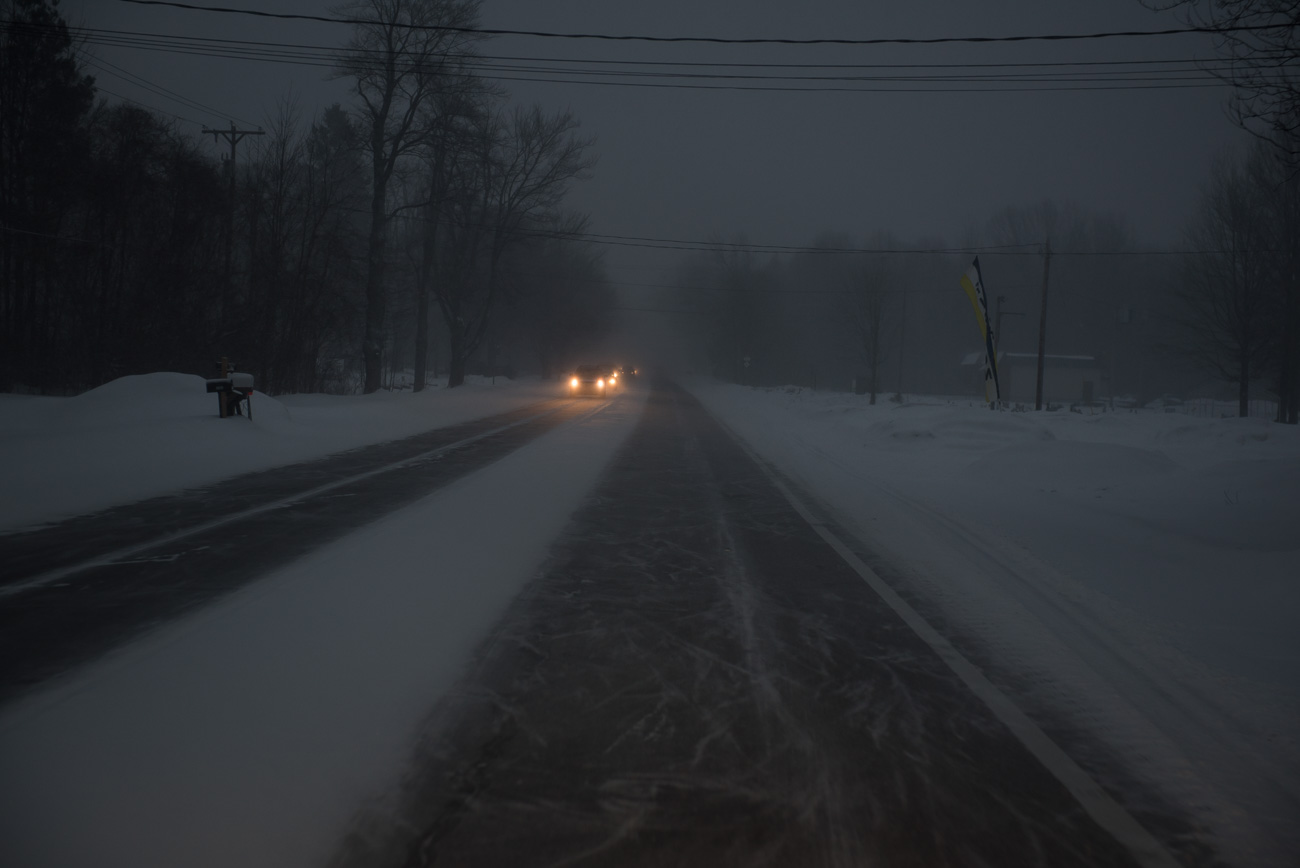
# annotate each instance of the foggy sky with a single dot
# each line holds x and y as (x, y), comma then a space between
(781, 167)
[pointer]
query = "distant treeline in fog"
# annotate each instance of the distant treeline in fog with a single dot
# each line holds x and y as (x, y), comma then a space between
(1217, 315)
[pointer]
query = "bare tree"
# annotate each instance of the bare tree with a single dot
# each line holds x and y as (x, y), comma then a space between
(445, 160)
(403, 55)
(866, 312)
(739, 316)
(1263, 66)
(565, 304)
(1279, 188)
(1260, 39)
(1070, 227)
(1224, 291)
(508, 188)
(300, 189)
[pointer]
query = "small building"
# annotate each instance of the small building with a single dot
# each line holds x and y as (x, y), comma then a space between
(1066, 379)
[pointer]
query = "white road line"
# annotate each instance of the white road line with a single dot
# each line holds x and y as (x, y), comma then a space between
(128, 552)
(1096, 801)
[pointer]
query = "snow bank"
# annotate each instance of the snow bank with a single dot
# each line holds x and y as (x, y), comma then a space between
(146, 435)
(1230, 481)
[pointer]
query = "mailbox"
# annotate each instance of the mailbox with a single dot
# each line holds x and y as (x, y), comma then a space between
(232, 391)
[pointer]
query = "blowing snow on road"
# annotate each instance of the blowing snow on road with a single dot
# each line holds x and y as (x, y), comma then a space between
(559, 631)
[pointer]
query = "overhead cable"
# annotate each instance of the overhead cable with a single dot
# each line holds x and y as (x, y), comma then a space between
(720, 40)
(158, 90)
(331, 53)
(1024, 77)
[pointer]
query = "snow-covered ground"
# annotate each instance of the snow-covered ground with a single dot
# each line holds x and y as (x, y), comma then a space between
(1140, 571)
(248, 733)
(141, 436)
(1137, 574)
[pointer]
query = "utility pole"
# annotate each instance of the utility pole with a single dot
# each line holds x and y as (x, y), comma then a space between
(1042, 324)
(902, 345)
(997, 338)
(233, 136)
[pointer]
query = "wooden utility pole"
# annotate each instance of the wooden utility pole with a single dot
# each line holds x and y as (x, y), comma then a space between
(902, 345)
(1042, 325)
(233, 136)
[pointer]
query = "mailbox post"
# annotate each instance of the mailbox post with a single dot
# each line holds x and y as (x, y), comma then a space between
(232, 389)
(225, 367)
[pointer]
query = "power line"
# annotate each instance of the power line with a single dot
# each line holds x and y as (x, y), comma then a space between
(151, 108)
(1281, 57)
(779, 248)
(1025, 77)
(1030, 248)
(713, 247)
(624, 284)
(694, 245)
(705, 246)
(158, 90)
(1181, 73)
(133, 38)
(718, 40)
(658, 310)
(822, 89)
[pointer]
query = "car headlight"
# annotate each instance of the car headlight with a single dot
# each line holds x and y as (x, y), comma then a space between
(574, 382)
(600, 383)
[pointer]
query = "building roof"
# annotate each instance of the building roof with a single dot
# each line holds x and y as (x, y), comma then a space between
(1049, 360)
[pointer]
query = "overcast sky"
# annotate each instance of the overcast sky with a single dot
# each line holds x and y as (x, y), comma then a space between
(781, 167)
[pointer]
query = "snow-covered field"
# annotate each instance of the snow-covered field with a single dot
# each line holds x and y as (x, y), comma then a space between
(146, 435)
(1139, 571)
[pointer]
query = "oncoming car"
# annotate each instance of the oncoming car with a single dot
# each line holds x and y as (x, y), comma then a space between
(590, 380)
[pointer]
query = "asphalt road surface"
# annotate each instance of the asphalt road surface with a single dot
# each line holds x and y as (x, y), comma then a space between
(699, 679)
(698, 675)
(71, 591)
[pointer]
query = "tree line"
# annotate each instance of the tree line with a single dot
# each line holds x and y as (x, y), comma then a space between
(405, 232)
(885, 315)
(1227, 306)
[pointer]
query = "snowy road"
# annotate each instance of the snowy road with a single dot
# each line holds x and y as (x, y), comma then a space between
(247, 731)
(1093, 568)
(594, 633)
(74, 589)
(699, 679)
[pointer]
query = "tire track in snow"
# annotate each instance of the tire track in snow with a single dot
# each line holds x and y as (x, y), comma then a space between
(698, 679)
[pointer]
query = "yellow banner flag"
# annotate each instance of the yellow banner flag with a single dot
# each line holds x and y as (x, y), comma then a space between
(973, 282)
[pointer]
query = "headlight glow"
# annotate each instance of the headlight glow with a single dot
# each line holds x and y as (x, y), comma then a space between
(574, 382)
(600, 383)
